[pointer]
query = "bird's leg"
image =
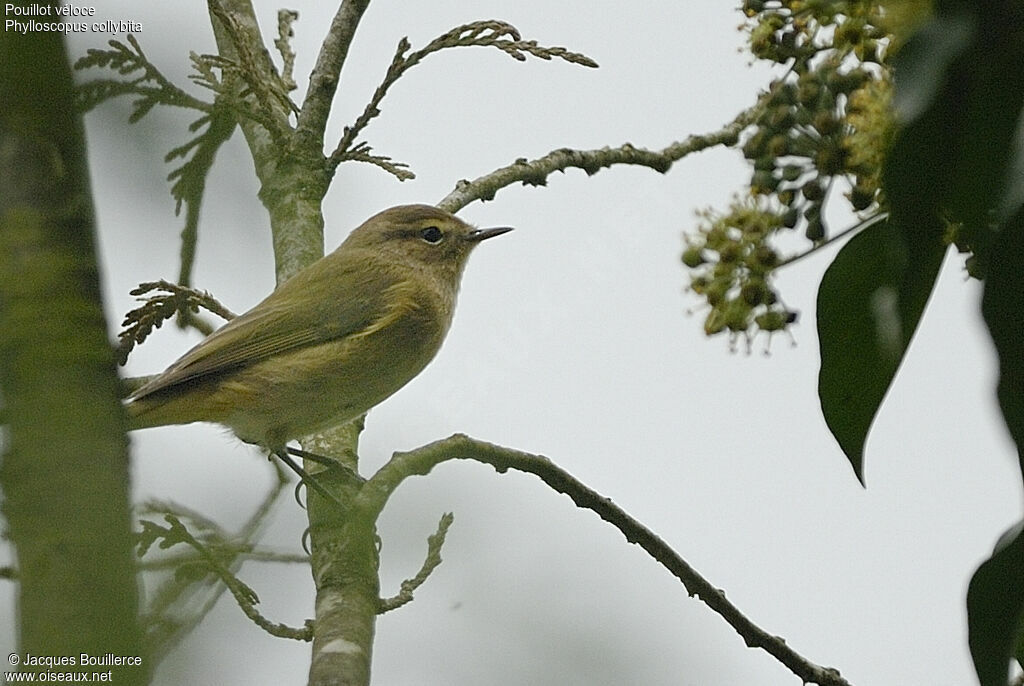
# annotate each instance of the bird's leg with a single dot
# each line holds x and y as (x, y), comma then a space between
(305, 476)
(331, 464)
(313, 457)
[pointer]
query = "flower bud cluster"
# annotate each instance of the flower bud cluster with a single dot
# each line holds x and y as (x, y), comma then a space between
(731, 261)
(826, 119)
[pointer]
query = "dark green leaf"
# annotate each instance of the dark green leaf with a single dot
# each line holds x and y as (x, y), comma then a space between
(995, 608)
(922, 63)
(995, 598)
(1013, 198)
(1019, 651)
(869, 303)
(959, 91)
(1002, 305)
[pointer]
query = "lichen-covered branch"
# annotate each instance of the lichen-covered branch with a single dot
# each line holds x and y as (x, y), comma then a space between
(255, 69)
(292, 182)
(434, 544)
(323, 82)
(374, 495)
(285, 19)
(345, 565)
(536, 172)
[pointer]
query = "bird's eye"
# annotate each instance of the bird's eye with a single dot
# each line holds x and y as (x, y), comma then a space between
(432, 235)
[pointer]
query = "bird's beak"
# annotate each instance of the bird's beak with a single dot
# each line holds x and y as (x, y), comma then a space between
(477, 235)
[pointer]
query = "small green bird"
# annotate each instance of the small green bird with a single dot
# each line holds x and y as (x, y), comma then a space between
(336, 339)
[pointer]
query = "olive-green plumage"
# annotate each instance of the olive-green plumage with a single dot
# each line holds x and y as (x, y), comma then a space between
(331, 342)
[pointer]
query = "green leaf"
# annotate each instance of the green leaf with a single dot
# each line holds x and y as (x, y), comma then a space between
(1018, 653)
(925, 59)
(869, 304)
(995, 598)
(960, 91)
(1002, 306)
(995, 608)
(1013, 197)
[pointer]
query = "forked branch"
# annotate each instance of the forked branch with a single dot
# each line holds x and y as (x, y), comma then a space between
(497, 34)
(377, 489)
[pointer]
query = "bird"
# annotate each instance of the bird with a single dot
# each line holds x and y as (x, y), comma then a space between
(331, 342)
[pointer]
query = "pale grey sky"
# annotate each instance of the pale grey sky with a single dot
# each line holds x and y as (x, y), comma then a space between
(572, 339)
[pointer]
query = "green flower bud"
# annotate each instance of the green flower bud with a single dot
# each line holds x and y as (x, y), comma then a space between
(766, 256)
(792, 172)
(693, 257)
(714, 322)
(753, 293)
(861, 197)
(813, 190)
(815, 229)
(791, 217)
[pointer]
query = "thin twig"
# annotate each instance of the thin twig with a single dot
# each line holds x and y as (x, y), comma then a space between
(378, 488)
(178, 604)
(285, 19)
(536, 172)
(126, 61)
(497, 34)
(434, 544)
(244, 596)
(179, 97)
(859, 226)
(156, 309)
(361, 153)
(242, 552)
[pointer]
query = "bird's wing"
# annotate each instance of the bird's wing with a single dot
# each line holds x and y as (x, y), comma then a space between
(277, 324)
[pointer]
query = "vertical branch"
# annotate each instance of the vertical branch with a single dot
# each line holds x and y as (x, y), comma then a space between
(323, 82)
(294, 179)
(239, 39)
(292, 183)
(345, 566)
(65, 471)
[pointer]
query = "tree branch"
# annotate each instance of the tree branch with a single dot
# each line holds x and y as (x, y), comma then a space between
(859, 226)
(65, 474)
(375, 492)
(496, 34)
(247, 552)
(536, 172)
(243, 594)
(285, 19)
(323, 82)
(258, 72)
(180, 601)
(434, 544)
